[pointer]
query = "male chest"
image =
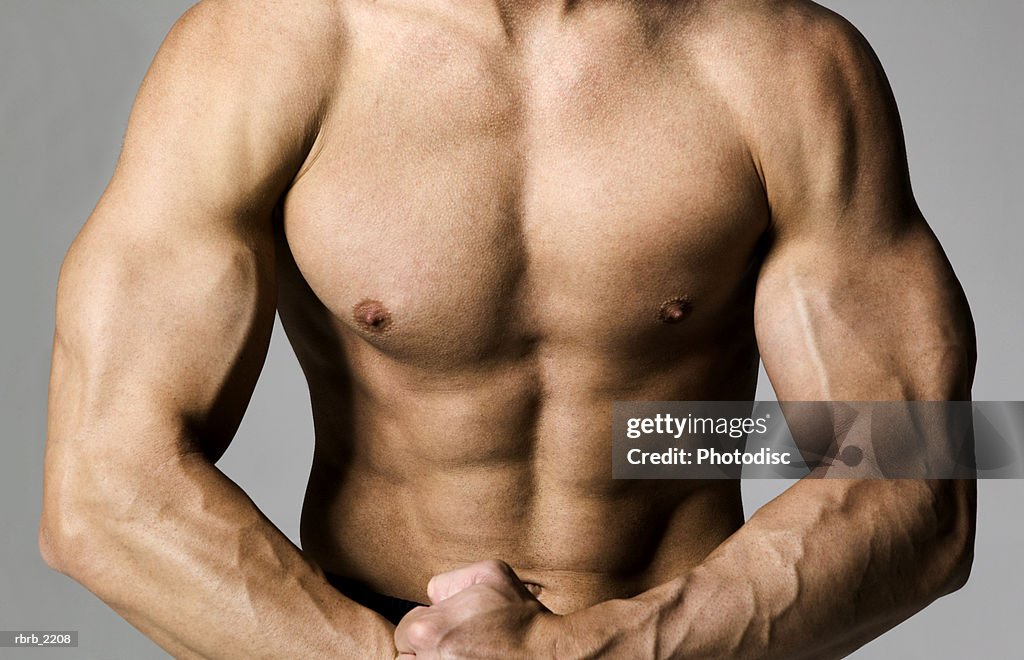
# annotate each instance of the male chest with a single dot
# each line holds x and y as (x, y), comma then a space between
(478, 201)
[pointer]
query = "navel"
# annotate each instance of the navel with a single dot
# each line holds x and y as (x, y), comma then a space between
(675, 310)
(533, 588)
(372, 315)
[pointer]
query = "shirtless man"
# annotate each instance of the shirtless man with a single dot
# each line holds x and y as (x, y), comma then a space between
(481, 223)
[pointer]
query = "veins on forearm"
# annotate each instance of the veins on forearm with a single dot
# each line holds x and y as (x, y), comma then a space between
(818, 571)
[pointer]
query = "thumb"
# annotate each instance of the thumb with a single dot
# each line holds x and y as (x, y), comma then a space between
(492, 572)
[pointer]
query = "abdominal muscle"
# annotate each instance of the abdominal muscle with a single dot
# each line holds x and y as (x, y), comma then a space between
(419, 478)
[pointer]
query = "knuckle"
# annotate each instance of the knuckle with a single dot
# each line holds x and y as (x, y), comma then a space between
(480, 598)
(422, 633)
(496, 567)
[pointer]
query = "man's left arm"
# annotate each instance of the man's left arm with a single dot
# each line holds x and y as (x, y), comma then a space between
(857, 302)
(863, 313)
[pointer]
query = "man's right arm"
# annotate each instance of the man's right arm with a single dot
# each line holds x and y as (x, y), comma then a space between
(164, 311)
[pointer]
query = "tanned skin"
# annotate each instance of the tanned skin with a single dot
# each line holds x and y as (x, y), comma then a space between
(481, 223)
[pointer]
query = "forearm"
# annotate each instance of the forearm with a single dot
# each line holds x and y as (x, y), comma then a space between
(823, 569)
(184, 555)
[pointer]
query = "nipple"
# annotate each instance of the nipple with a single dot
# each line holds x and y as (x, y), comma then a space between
(674, 311)
(372, 315)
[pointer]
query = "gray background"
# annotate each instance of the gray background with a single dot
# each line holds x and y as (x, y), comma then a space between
(68, 73)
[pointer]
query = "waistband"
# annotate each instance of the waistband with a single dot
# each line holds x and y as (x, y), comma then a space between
(389, 607)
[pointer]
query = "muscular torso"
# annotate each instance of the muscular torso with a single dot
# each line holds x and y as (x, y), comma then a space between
(496, 235)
